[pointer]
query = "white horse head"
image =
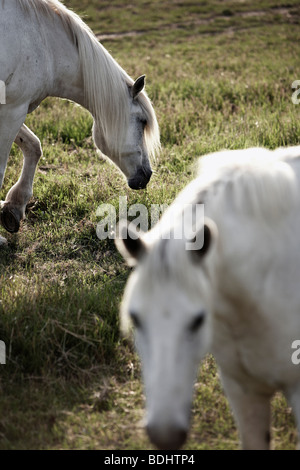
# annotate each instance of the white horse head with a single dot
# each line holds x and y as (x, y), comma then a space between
(131, 154)
(167, 299)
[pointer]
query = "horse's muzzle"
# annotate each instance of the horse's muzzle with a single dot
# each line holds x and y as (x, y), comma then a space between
(167, 439)
(140, 179)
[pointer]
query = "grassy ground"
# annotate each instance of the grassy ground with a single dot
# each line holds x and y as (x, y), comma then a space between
(219, 74)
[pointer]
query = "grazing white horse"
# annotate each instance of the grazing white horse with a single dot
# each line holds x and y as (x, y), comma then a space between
(47, 50)
(237, 297)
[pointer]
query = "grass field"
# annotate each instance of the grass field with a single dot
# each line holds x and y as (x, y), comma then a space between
(219, 74)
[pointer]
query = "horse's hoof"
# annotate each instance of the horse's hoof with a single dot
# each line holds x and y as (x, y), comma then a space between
(10, 219)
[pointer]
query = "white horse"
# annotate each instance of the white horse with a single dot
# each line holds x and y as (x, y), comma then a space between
(47, 50)
(237, 297)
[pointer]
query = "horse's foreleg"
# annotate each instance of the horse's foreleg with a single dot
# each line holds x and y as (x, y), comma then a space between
(18, 196)
(252, 415)
(11, 119)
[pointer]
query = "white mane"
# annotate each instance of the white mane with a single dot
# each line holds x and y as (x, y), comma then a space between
(256, 182)
(105, 82)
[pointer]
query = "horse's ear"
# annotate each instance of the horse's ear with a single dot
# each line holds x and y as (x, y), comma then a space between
(129, 243)
(206, 237)
(138, 86)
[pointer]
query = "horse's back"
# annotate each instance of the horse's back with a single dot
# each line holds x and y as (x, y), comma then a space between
(10, 45)
(36, 52)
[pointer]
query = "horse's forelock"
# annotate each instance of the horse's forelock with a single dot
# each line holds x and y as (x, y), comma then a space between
(168, 258)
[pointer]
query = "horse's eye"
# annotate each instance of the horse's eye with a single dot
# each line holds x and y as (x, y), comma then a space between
(135, 320)
(144, 122)
(197, 322)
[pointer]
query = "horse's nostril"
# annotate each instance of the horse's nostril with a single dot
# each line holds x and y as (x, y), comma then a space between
(136, 184)
(170, 438)
(140, 180)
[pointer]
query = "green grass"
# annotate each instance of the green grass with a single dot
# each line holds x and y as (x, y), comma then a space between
(219, 75)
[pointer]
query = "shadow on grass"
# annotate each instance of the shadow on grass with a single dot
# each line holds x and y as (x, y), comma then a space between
(63, 349)
(52, 412)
